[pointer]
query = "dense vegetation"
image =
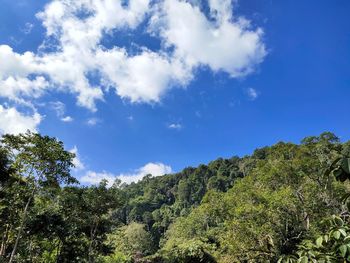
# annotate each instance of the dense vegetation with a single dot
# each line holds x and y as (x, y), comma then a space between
(283, 203)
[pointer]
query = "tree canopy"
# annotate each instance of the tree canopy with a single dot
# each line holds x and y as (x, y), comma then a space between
(286, 203)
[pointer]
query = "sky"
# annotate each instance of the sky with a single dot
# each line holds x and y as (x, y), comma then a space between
(138, 86)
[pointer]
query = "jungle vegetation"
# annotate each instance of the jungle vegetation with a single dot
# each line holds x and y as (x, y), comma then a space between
(282, 203)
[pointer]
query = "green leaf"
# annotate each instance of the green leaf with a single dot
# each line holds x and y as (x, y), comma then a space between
(319, 241)
(332, 166)
(343, 249)
(336, 234)
(342, 231)
(346, 165)
(303, 259)
(311, 254)
(338, 221)
(325, 238)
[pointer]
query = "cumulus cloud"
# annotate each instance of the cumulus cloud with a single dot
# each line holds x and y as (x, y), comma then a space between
(72, 51)
(15, 81)
(17, 88)
(14, 122)
(155, 169)
(92, 177)
(78, 164)
(144, 77)
(226, 45)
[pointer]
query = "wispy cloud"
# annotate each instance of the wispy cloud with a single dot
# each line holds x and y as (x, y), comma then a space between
(27, 28)
(60, 109)
(252, 93)
(93, 121)
(175, 126)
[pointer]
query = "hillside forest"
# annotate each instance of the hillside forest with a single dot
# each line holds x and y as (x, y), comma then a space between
(283, 203)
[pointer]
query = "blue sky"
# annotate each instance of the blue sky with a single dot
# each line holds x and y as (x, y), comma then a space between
(139, 86)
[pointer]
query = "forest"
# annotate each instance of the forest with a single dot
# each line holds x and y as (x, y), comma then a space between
(283, 203)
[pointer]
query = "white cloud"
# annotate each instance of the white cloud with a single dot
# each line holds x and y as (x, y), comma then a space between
(15, 65)
(144, 77)
(155, 169)
(60, 109)
(17, 88)
(252, 94)
(175, 126)
(14, 122)
(76, 28)
(67, 119)
(93, 121)
(15, 82)
(92, 177)
(223, 45)
(78, 164)
(221, 9)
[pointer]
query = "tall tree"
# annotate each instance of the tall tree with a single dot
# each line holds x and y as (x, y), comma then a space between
(44, 164)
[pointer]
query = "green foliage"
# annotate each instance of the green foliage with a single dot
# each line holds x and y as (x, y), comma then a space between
(41, 159)
(332, 246)
(282, 200)
(275, 205)
(130, 242)
(189, 251)
(38, 165)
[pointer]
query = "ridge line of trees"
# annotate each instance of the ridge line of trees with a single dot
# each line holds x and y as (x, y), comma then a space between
(282, 203)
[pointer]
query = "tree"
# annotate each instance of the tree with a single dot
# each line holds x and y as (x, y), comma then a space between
(44, 165)
(8, 206)
(98, 203)
(334, 244)
(131, 241)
